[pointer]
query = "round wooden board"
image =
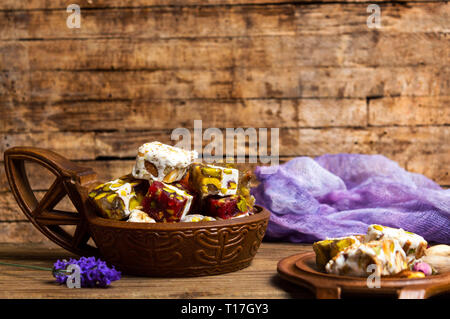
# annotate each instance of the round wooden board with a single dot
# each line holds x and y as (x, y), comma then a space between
(301, 269)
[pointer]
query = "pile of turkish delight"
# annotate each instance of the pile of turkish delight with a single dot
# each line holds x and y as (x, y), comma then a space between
(167, 185)
(390, 252)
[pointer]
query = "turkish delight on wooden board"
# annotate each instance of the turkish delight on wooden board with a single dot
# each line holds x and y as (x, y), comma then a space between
(386, 256)
(328, 248)
(413, 244)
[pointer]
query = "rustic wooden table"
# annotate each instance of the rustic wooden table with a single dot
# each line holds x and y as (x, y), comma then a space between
(260, 280)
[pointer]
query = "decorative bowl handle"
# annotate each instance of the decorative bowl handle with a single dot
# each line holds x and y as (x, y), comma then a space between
(71, 180)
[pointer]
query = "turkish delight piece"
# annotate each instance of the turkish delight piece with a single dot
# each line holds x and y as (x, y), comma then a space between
(213, 180)
(244, 188)
(116, 199)
(328, 248)
(138, 216)
(197, 218)
(413, 244)
(227, 207)
(386, 256)
(162, 162)
(167, 202)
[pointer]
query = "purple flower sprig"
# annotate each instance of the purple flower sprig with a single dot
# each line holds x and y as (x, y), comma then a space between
(93, 272)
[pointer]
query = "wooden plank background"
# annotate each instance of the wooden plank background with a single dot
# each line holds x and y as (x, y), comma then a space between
(136, 70)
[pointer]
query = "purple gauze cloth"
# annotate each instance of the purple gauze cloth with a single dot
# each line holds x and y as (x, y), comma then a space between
(342, 194)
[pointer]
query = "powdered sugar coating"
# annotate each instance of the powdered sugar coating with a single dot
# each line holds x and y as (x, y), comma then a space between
(414, 245)
(138, 216)
(197, 218)
(386, 255)
(165, 158)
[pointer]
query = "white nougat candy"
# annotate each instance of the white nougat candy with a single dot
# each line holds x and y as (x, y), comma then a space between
(162, 162)
(197, 218)
(385, 256)
(414, 245)
(138, 216)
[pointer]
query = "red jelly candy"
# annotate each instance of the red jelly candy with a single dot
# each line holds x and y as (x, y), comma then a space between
(226, 207)
(166, 203)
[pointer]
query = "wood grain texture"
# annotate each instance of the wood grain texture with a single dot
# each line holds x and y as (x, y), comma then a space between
(21, 231)
(300, 50)
(293, 141)
(141, 115)
(260, 275)
(358, 82)
(62, 4)
(227, 21)
(305, 82)
(411, 144)
(410, 111)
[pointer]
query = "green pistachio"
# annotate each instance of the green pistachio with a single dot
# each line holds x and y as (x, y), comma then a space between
(212, 172)
(242, 205)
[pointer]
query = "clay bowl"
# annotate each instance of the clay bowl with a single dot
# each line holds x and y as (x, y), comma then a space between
(158, 249)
